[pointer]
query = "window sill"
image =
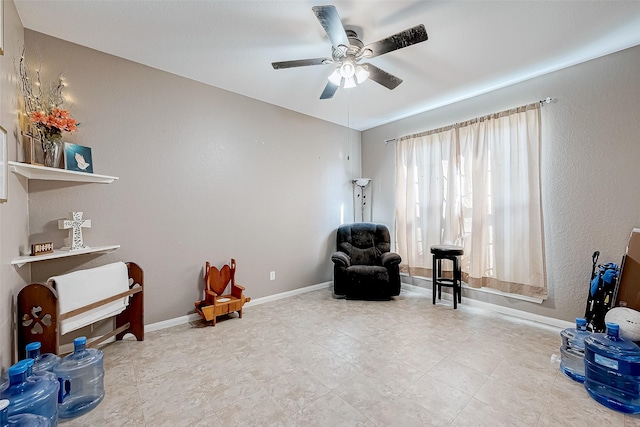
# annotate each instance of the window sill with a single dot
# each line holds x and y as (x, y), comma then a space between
(484, 290)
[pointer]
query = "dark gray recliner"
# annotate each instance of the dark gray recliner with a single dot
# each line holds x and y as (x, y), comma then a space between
(364, 267)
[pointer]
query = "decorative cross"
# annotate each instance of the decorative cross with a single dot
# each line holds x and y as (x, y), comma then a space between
(76, 224)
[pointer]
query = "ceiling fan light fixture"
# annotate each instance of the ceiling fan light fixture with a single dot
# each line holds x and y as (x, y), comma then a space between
(347, 69)
(349, 83)
(336, 77)
(362, 74)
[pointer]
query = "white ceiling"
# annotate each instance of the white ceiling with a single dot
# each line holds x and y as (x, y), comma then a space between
(473, 47)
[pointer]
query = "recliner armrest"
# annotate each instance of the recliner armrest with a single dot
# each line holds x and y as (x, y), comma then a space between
(341, 259)
(390, 258)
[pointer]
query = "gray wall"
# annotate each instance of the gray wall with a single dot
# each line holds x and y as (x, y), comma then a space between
(14, 216)
(590, 173)
(204, 175)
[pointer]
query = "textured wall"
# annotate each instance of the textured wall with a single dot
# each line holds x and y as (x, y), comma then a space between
(590, 173)
(14, 218)
(205, 175)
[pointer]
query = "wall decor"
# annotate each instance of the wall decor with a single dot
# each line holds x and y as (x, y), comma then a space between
(75, 226)
(77, 158)
(4, 165)
(41, 248)
(29, 142)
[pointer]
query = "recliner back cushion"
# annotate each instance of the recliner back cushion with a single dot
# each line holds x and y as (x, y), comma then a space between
(364, 242)
(367, 256)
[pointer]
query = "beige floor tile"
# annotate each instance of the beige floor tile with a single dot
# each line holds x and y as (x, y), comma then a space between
(228, 389)
(481, 357)
(258, 409)
(405, 412)
(632, 420)
(569, 404)
(329, 410)
(437, 397)
(303, 353)
(332, 370)
(364, 393)
(269, 365)
(465, 379)
(295, 390)
(512, 399)
(481, 414)
(312, 360)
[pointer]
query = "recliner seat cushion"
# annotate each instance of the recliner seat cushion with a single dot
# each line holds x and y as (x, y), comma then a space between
(368, 273)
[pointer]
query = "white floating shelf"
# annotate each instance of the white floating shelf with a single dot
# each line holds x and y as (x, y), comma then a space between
(61, 253)
(54, 174)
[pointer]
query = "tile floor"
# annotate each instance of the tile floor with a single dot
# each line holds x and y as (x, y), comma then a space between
(311, 360)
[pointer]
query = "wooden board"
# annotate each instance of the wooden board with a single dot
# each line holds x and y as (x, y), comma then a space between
(629, 284)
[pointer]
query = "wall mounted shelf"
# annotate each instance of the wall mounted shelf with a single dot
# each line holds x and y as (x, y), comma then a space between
(54, 174)
(62, 253)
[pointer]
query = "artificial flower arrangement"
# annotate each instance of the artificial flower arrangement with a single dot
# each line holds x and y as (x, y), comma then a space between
(45, 109)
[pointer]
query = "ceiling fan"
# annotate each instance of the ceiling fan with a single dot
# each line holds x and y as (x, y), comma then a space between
(348, 51)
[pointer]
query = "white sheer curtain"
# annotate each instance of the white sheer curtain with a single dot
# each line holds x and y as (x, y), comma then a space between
(475, 184)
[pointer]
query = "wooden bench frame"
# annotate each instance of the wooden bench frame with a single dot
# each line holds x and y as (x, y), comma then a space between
(38, 314)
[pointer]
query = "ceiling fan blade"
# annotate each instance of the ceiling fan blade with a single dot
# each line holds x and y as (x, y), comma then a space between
(300, 63)
(330, 21)
(329, 90)
(397, 41)
(380, 76)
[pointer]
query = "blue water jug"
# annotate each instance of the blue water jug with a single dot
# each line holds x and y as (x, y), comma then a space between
(81, 378)
(612, 370)
(572, 350)
(31, 395)
(41, 362)
(20, 420)
(47, 374)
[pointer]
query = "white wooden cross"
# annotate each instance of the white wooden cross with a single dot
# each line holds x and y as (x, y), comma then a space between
(76, 224)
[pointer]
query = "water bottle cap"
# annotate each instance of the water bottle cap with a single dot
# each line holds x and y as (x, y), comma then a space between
(612, 328)
(29, 362)
(3, 404)
(80, 341)
(17, 369)
(34, 346)
(581, 321)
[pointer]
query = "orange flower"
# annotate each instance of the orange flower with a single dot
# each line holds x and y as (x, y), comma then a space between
(57, 121)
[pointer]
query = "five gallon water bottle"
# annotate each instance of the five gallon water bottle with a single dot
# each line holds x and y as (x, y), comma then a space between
(612, 370)
(20, 420)
(35, 394)
(81, 377)
(41, 362)
(572, 350)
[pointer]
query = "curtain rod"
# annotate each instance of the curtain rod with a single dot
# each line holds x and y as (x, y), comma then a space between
(542, 102)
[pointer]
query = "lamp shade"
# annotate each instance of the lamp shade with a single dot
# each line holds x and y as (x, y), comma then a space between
(361, 182)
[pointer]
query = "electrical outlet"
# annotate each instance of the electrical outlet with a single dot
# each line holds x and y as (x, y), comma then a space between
(272, 275)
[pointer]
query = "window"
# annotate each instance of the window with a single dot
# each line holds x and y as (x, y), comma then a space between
(476, 185)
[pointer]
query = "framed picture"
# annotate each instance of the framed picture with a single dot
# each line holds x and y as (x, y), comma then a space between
(77, 158)
(29, 143)
(4, 165)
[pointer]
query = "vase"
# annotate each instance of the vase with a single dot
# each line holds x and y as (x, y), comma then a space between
(52, 151)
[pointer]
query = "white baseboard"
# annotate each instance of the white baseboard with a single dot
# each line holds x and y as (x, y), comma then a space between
(545, 320)
(257, 301)
(288, 294)
(549, 321)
